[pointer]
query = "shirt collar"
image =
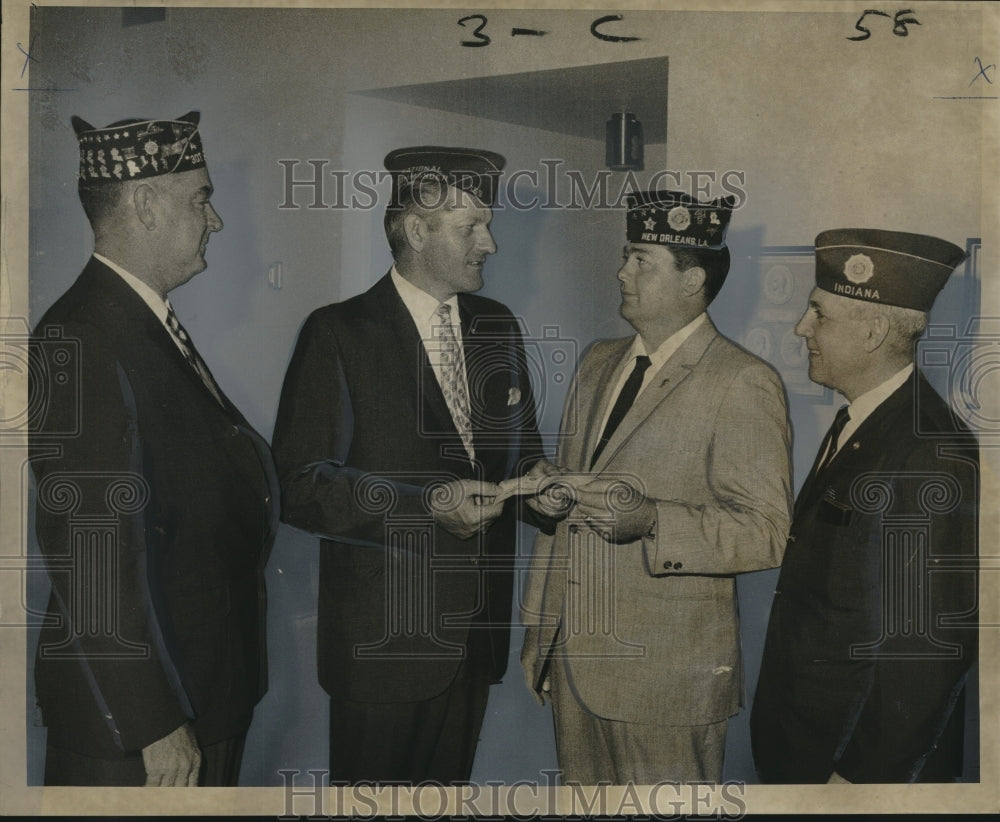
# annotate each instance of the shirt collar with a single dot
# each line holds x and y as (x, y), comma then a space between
(418, 302)
(157, 304)
(669, 346)
(864, 405)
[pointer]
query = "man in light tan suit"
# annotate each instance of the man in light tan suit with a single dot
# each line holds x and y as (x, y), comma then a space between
(674, 454)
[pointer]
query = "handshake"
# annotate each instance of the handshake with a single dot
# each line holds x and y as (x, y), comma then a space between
(614, 508)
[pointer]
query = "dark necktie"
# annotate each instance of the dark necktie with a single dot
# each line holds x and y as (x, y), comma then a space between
(192, 356)
(833, 435)
(624, 402)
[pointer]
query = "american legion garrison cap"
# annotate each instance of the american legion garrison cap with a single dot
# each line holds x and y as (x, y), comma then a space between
(676, 218)
(474, 171)
(137, 149)
(889, 267)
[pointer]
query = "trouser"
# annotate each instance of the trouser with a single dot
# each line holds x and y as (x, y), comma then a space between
(592, 749)
(428, 740)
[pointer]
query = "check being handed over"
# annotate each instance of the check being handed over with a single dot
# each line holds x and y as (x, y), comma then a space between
(614, 507)
(544, 478)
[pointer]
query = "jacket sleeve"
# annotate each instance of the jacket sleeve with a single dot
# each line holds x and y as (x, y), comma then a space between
(530, 449)
(749, 471)
(320, 493)
(532, 594)
(90, 458)
(537, 577)
(918, 674)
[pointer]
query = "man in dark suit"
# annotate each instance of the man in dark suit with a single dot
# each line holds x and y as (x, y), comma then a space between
(680, 465)
(401, 409)
(873, 625)
(156, 501)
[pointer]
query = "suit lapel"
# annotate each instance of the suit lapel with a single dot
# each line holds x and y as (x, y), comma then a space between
(674, 371)
(132, 317)
(868, 435)
(805, 493)
(481, 368)
(471, 348)
(413, 367)
(137, 329)
(606, 379)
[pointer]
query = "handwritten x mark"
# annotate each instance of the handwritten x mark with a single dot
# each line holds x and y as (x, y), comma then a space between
(982, 72)
(27, 54)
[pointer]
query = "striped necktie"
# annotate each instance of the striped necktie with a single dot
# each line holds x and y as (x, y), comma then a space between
(188, 350)
(453, 385)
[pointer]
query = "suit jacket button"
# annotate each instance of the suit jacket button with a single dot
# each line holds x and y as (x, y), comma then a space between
(678, 566)
(234, 430)
(668, 565)
(791, 537)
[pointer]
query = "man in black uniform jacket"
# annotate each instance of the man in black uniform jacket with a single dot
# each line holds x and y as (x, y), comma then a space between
(156, 501)
(873, 625)
(413, 386)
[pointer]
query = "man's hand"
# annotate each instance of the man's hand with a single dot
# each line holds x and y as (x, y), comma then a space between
(554, 499)
(465, 507)
(174, 760)
(544, 694)
(528, 656)
(615, 510)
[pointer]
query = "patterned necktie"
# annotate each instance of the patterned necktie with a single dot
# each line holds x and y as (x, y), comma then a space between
(833, 435)
(453, 385)
(187, 348)
(624, 402)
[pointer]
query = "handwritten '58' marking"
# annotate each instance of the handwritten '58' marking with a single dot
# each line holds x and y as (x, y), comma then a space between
(899, 23)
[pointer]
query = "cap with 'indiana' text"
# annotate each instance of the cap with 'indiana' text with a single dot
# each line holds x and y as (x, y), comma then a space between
(889, 267)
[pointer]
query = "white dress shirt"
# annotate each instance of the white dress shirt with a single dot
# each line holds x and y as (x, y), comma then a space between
(864, 405)
(657, 359)
(423, 308)
(862, 408)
